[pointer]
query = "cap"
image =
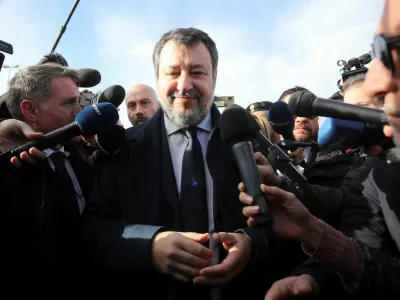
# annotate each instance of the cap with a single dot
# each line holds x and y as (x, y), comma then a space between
(259, 106)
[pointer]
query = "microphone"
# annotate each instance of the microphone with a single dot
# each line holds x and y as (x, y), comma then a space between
(281, 120)
(111, 140)
(306, 104)
(89, 77)
(93, 119)
(114, 94)
(234, 131)
(347, 134)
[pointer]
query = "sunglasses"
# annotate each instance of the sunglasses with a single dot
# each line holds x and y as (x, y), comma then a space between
(381, 49)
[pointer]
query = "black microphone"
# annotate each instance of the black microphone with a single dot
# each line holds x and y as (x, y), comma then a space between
(91, 120)
(306, 104)
(111, 140)
(281, 120)
(88, 77)
(114, 94)
(235, 131)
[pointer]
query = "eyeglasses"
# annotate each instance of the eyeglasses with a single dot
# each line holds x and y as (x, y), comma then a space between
(381, 49)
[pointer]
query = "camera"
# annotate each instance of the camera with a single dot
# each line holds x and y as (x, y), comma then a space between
(7, 48)
(86, 99)
(354, 66)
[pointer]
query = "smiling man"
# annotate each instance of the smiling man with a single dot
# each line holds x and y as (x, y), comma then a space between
(153, 226)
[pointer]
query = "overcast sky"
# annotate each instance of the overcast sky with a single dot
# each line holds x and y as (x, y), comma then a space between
(265, 46)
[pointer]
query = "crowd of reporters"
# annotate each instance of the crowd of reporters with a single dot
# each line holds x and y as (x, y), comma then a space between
(178, 206)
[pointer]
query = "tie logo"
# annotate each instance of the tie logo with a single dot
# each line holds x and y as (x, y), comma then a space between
(194, 182)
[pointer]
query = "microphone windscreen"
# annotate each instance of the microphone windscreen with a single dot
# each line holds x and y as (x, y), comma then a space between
(281, 118)
(89, 77)
(114, 94)
(111, 139)
(96, 118)
(300, 103)
(237, 124)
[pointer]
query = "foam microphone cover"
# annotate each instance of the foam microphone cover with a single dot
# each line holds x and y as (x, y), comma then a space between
(237, 124)
(111, 140)
(300, 103)
(94, 118)
(89, 77)
(114, 94)
(281, 119)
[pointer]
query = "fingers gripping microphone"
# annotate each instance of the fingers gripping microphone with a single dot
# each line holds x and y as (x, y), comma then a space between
(281, 120)
(93, 119)
(235, 131)
(306, 104)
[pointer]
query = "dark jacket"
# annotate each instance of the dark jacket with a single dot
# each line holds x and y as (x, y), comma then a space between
(136, 190)
(41, 222)
(360, 216)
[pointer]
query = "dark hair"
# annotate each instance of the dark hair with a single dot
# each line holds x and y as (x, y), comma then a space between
(291, 91)
(189, 37)
(53, 57)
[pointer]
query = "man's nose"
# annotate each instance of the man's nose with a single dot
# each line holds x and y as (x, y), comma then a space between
(379, 80)
(139, 110)
(185, 83)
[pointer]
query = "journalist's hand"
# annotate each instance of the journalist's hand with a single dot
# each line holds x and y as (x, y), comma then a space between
(297, 156)
(179, 254)
(239, 251)
(292, 288)
(267, 173)
(14, 133)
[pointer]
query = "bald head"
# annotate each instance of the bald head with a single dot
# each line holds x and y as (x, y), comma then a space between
(141, 103)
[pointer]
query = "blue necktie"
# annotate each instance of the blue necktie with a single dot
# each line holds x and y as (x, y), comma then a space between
(193, 196)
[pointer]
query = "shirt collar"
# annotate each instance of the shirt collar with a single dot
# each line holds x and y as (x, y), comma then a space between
(171, 128)
(49, 151)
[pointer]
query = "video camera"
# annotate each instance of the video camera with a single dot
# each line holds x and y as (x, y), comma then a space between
(354, 66)
(7, 48)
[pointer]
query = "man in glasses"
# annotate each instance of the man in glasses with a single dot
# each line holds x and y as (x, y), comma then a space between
(373, 273)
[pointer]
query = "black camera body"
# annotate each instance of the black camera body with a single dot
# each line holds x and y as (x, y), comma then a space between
(354, 66)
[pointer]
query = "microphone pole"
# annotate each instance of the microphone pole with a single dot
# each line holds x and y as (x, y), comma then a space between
(64, 27)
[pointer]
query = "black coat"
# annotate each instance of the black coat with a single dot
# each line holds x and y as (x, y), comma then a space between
(136, 189)
(41, 222)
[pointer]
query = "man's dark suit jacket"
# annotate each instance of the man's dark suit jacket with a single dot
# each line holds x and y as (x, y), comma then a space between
(135, 196)
(42, 251)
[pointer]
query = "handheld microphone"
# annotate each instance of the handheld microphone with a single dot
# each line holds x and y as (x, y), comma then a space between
(111, 140)
(306, 104)
(281, 120)
(88, 77)
(114, 94)
(345, 134)
(235, 131)
(93, 119)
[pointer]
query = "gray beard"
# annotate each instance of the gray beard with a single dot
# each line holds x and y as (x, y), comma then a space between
(191, 117)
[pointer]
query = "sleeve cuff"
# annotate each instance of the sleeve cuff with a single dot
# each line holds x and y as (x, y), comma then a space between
(141, 231)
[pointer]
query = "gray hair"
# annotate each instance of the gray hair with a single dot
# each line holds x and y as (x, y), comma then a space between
(34, 83)
(189, 37)
(353, 80)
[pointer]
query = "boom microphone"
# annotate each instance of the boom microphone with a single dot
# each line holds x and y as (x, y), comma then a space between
(93, 119)
(281, 120)
(88, 77)
(235, 131)
(306, 104)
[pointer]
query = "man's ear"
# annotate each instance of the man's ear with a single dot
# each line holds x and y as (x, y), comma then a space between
(28, 110)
